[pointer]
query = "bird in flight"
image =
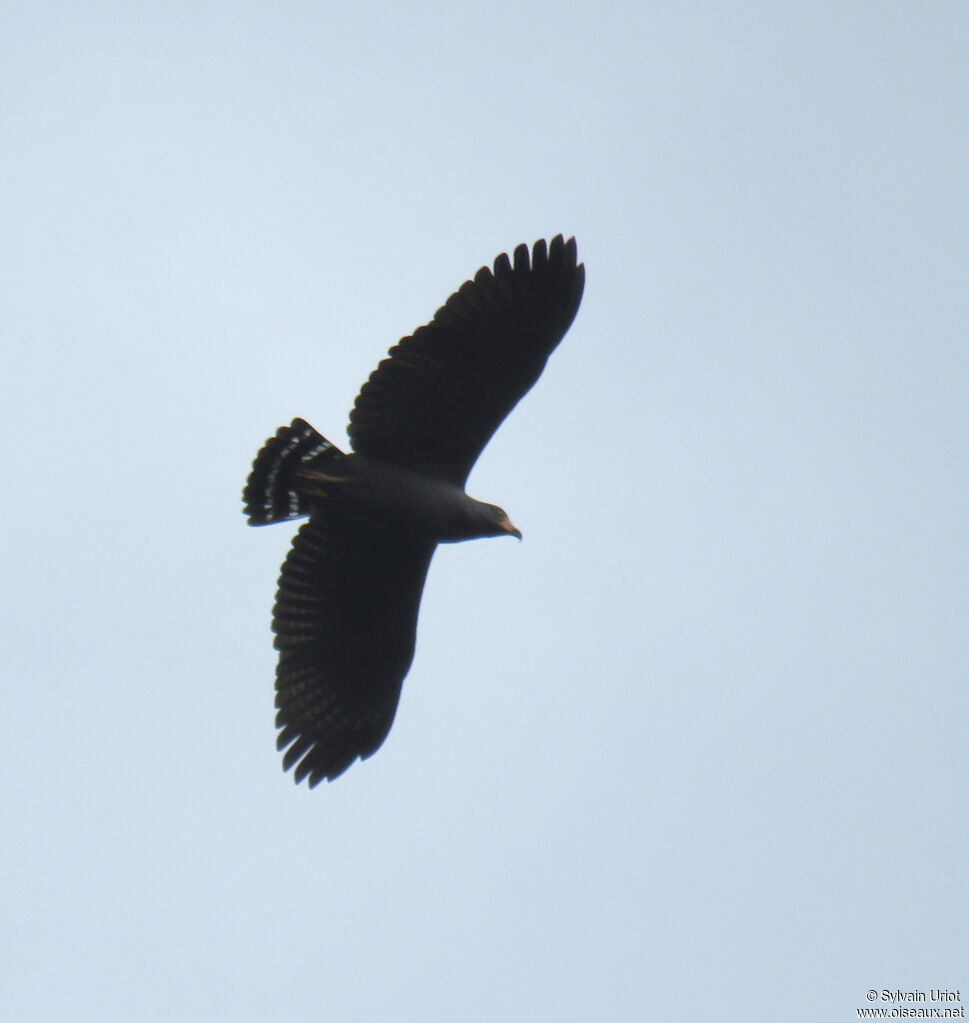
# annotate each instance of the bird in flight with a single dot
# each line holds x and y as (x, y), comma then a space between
(346, 608)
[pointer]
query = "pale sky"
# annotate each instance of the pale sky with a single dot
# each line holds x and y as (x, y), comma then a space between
(696, 748)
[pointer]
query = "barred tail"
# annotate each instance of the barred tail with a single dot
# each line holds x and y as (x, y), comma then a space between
(273, 492)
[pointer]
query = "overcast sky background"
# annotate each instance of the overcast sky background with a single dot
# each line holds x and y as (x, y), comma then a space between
(697, 747)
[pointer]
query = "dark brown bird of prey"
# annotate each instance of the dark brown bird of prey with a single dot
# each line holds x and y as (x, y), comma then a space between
(346, 608)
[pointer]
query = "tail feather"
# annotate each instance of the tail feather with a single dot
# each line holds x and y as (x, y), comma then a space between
(273, 491)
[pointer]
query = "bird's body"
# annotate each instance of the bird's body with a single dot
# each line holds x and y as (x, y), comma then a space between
(346, 609)
(389, 499)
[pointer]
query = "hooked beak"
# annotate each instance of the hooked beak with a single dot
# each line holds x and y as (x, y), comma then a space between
(511, 530)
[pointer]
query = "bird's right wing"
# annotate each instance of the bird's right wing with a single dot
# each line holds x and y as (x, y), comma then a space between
(345, 621)
(433, 404)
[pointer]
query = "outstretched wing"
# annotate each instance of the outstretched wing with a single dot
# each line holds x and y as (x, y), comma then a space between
(434, 403)
(345, 622)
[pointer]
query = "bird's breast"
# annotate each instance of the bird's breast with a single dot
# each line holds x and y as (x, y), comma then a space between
(390, 499)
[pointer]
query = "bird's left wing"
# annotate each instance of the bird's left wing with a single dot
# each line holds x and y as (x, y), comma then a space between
(345, 621)
(434, 403)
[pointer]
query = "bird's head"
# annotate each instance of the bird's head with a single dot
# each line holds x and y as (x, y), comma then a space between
(496, 521)
(474, 519)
